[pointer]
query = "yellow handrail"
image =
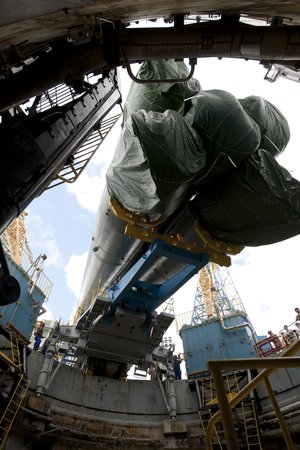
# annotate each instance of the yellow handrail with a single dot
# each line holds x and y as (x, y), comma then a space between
(269, 366)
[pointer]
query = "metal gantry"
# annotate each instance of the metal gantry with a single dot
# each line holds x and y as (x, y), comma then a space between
(215, 289)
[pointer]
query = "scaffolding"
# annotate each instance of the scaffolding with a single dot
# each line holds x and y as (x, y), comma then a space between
(215, 288)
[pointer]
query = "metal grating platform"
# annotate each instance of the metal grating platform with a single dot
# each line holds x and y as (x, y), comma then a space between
(80, 159)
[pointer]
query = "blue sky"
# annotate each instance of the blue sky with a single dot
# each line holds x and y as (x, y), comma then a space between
(61, 221)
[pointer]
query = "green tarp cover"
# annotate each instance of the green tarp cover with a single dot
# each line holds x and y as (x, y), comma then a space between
(157, 159)
(274, 128)
(178, 141)
(229, 135)
(255, 204)
(160, 97)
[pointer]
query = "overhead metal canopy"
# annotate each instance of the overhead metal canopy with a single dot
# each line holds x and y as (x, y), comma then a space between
(49, 19)
(59, 42)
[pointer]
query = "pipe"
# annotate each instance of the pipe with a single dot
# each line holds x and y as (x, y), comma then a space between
(163, 394)
(35, 414)
(52, 376)
(94, 437)
(273, 434)
(204, 40)
(170, 392)
(284, 409)
(207, 40)
(235, 327)
(290, 418)
(46, 369)
(200, 406)
(25, 359)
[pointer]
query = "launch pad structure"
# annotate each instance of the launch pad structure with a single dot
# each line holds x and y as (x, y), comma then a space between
(74, 392)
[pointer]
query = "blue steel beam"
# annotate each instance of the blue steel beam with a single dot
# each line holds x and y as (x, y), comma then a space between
(133, 293)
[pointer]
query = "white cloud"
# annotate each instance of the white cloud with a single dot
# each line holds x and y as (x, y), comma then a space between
(89, 186)
(74, 272)
(267, 285)
(41, 237)
(87, 190)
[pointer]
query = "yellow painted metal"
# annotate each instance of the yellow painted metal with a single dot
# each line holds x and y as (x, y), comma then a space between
(150, 235)
(212, 243)
(14, 359)
(205, 417)
(206, 284)
(16, 397)
(16, 237)
(8, 417)
(21, 338)
(131, 217)
(251, 425)
(228, 426)
(15, 352)
(269, 366)
(140, 227)
(284, 428)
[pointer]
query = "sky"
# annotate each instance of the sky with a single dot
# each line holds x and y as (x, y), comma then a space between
(60, 222)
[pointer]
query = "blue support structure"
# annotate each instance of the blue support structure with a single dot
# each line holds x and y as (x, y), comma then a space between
(133, 293)
(219, 326)
(22, 314)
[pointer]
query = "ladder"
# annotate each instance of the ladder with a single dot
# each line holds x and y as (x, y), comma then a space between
(205, 416)
(232, 383)
(207, 390)
(251, 428)
(12, 407)
(15, 351)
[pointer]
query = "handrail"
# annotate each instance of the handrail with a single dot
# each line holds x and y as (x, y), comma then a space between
(269, 366)
(42, 282)
(193, 62)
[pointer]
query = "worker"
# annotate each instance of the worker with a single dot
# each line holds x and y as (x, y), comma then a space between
(289, 335)
(38, 336)
(275, 341)
(297, 329)
(37, 341)
(177, 370)
(282, 338)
